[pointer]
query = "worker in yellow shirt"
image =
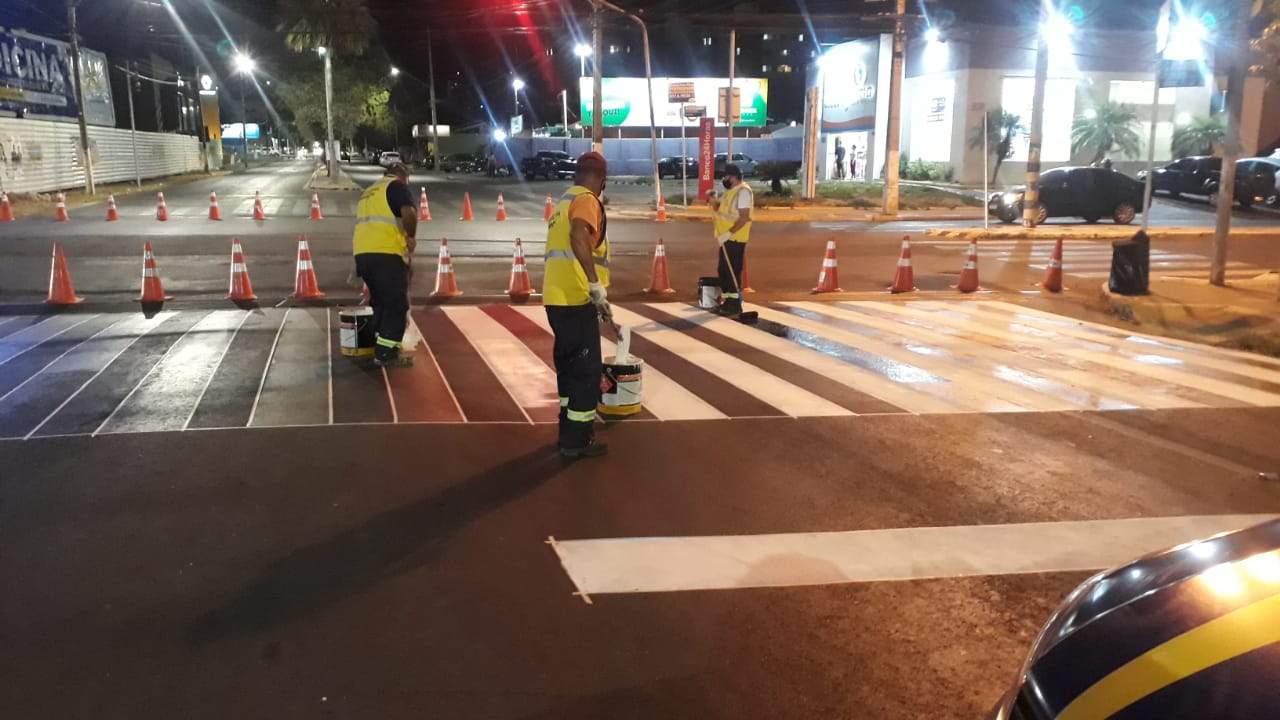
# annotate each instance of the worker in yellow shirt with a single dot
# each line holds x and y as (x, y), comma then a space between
(732, 214)
(383, 244)
(575, 296)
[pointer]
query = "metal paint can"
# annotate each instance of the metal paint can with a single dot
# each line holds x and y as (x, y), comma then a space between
(356, 334)
(620, 387)
(708, 293)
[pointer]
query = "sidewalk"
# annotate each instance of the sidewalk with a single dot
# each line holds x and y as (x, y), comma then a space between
(321, 182)
(1244, 315)
(1087, 232)
(635, 211)
(41, 204)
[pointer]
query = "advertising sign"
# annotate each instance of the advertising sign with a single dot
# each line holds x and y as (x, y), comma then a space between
(624, 103)
(679, 92)
(706, 156)
(692, 112)
(36, 79)
(517, 124)
(235, 131)
(848, 82)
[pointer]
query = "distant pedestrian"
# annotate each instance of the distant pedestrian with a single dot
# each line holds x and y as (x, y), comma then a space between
(840, 158)
(383, 245)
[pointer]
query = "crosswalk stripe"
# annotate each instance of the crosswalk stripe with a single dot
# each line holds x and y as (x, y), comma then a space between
(784, 396)
(901, 395)
(519, 371)
(32, 336)
(1096, 391)
(662, 396)
(295, 385)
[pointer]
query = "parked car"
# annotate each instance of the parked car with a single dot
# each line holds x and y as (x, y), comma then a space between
(1172, 634)
(1087, 192)
(1266, 174)
(549, 164)
(1187, 176)
(387, 159)
(459, 162)
(671, 166)
(744, 163)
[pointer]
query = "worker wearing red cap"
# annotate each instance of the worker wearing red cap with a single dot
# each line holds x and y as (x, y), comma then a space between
(573, 292)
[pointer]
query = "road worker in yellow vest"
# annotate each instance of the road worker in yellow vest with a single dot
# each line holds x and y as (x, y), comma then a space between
(575, 296)
(732, 215)
(383, 245)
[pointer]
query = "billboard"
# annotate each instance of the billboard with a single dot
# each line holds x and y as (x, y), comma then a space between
(234, 131)
(624, 102)
(36, 79)
(848, 80)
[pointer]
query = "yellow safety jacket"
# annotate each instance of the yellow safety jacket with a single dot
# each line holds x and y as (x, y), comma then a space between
(564, 282)
(377, 229)
(727, 214)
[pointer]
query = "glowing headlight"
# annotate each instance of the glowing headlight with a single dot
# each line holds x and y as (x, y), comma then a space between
(1009, 198)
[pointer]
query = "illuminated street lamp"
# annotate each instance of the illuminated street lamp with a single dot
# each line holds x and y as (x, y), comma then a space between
(395, 71)
(244, 65)
(516, 86)
(499, 135)
(583, 51)
(331, 159)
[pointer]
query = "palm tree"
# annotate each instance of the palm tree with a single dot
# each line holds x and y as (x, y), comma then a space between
(342, 25)
(1108, 126)
(1002, 128)
(1199, 137)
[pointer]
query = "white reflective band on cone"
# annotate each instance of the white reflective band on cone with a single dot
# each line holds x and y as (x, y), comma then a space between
(305, 265)
(904, 262)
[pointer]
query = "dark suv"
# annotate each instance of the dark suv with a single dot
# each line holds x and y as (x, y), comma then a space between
(1087, 192)
(1187, 176)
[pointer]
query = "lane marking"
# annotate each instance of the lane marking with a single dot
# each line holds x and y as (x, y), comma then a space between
(1171, 446)
(328, 347)
(52, 362)
(208, 381)
(726, 562)
(267, 368)
(11, 346)
(391, 398)
(439, 371)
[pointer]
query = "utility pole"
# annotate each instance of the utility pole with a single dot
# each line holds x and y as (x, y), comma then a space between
(564, 110)
(1236, 66)
(597, 81)
(728, 103)
(435, 132)
(1031, 198)
(133, 124)
(890, 199)
(329, 154)
(75, 73)
(648, 77)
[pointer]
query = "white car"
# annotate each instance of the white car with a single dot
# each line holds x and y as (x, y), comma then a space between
(387, 159)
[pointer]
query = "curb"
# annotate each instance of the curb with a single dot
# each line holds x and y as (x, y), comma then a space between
(1054, 232)
(343, 184)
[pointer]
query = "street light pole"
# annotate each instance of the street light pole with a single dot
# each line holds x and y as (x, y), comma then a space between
(75, 73)
(1031, 198)
(244, 123)
(435, 133)
(597, 82)
(889, 203)
(332, 164)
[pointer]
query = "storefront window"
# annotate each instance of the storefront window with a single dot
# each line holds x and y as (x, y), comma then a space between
(1138, 92)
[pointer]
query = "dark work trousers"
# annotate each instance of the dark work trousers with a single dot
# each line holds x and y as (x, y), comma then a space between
(737, 254)
(578, 369)
(388, 279)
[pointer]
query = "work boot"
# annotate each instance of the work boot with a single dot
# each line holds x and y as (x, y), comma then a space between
(392, 359)
(730, 308)
(595, 449)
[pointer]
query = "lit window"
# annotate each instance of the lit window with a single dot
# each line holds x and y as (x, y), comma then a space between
(765, 36)
(785, 52)
(800, 37)
(628, 49)
(551, 51)
(706, 40)
(613, 48)
(764, 68)
(813, 53)
(737, 51)
(784, 68)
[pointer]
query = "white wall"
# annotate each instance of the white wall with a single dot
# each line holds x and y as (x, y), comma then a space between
(40, 155)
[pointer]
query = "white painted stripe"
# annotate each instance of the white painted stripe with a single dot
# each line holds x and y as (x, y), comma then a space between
(1036, 355)
(959, 390)
(790, 399)
(413, 327)
(151, 371)
(267, 368)
(328, 333)
(670, 564)
(214, 371)
(662, 396)
(179, 377)
(54, 361)
(905, 395)
(33, 336)
(522, 373)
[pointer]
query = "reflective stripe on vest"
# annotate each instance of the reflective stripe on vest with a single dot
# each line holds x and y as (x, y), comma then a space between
(377, 230)
(727, 214)
(564, 281)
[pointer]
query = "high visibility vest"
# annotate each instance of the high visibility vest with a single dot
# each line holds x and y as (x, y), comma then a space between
(727, 214)
(377, 229)
(564, 282)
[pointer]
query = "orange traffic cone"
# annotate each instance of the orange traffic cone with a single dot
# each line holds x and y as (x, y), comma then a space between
(112, 213)
(61, 291)
(466, 207)
(162, 212)
(241, 288)
(315, 207)
(6, 210)
(305, 286)
(546, 211)
(502, 208)
(904, 280)
(152, 288)
(828, 276)
(258, 213)
(446, 283)
(215, 213)
(746, 284)
(662, 210)
(519, 288)
(1053, 273)
(424, 208)
(660, 278)
(60, 209)
(969, 275)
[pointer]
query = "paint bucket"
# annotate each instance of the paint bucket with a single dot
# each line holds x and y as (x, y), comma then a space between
(356, 334)
(708, 293)
(620, 384)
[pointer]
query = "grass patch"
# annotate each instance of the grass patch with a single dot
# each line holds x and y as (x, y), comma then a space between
(861, 195)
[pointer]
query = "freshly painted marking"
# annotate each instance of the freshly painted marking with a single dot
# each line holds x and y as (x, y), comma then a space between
(146, 377)
(33, 336)
(662, 396)
(214, 371)
(328, 333)
(551, 540)
(296, 390)
(54, 361)
(792, 400)
(413, 325)
(267, 368)
(391, 398)
(1177, 448)
(521, 373)
(726, 562)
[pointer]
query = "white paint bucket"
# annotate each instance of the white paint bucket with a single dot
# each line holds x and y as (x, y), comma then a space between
(356, 334)
(621, 382)
(708, 293)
